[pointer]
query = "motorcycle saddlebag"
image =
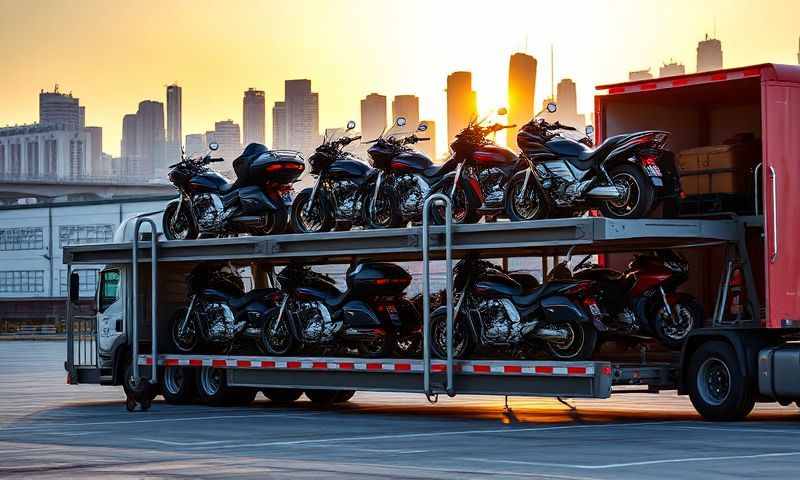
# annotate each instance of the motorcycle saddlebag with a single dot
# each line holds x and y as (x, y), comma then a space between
(254, 201)
(377, 278)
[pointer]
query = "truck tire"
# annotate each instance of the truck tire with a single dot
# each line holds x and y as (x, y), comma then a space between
(177, 385)
(282, 395)
(213, 389)
(326, 398)
(718, 388)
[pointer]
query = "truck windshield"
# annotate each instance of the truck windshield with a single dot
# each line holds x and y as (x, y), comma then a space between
(109, 289)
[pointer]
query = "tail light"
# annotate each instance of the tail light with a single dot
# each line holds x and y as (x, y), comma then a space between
(287, 166)
(648, 160)
(736, 289)
(389, 281)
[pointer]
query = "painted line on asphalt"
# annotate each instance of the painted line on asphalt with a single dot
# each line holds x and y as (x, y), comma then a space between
(70, 434)
(729, 429)
(183, 444)
(390, 451)
(634, 464)
(396, 436)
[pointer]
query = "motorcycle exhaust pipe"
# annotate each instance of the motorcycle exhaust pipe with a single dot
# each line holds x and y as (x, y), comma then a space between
(604, 193)
(248, 220)
(356, 334)
(550, 334)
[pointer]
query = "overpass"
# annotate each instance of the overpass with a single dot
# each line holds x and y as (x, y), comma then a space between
(46, 189)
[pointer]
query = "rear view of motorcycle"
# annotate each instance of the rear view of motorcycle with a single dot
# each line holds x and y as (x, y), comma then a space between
(210, 206)
(622, 177)
(372, 315)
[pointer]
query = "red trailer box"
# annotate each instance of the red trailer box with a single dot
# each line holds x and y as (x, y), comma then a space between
(760, 102)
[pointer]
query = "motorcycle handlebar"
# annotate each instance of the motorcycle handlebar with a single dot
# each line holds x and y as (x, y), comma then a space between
(214, 160)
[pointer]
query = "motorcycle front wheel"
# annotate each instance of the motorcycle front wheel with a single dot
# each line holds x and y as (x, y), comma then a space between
(462, 340)
(178, 225)
(524, 205)
(276, 338)
(580, 343)
(638, 193)
(185, 341)
(310, 220)
(672, 330)
(385, 213)
(464, 209)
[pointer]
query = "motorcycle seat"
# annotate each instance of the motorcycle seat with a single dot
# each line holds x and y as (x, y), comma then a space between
(336, 301)
(237, 303)
(581, 156)
(536, 294)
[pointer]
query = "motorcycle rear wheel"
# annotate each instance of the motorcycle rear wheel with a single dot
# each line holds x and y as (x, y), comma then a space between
(274, 222)
(639, 196)
(379, 348)
(580, 345)
(178, 226)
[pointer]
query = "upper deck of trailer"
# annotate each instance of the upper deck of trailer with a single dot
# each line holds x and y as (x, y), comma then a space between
(531, 238)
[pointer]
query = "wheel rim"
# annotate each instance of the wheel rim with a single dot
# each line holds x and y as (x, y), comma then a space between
(440, 337)
(573, 344)
(375, 347)
(277, 339)
(382, 210)
(310, 219)
(526, 204)
(269, 224)
(173, 380)
(179, 225)
(459, 204)
(211, 380)
(714, 381)
(677, 328)
(186, 341)
(631, 195)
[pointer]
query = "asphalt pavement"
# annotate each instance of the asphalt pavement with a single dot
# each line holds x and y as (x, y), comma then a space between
(52, 430)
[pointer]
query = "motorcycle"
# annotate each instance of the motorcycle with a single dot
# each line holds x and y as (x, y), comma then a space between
(254, 204)
(219, 312)
(372, 315)
(339, 193)
(643, 300)
(622, 177)
(493, 310)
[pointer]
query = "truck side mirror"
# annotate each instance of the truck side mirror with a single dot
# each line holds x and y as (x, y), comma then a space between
(74, 287)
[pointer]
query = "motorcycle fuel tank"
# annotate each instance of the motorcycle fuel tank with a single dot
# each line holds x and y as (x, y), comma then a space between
(377, 278)
(496, 285)
(348, 169)
(493, 156)
(411, 161)
(207, 182)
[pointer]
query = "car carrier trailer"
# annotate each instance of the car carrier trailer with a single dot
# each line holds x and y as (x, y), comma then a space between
(747, 259)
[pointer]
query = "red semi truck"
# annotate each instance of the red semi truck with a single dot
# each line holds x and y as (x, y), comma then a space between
(744, 266)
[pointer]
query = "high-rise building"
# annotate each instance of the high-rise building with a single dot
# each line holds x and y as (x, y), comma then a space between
(280, 126)
(59, 109)
(567, 98)
(709, 55)
(81, 116)
(671, 69)
(406, 106)
(174, 114)
(97, 167)
(428, 147)
(150, 138)
(37, 150)
(373, 116)
(521, 93)
(254, 115)
(129, 158)
(228, 135)
(302, 115)
(461, 103)
(640, 75)
(195, 144)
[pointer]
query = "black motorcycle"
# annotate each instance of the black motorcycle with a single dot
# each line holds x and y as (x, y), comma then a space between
(220, 313)
(494, 311)
(372, 315)
(405, 178)
(339, 193)
(210, 206)
(624, 177)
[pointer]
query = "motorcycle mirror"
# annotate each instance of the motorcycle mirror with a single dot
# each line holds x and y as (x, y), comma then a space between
(213, 146)
(351, 125)
(552, 107)
(422, 127)
(589, 130)
(502, 111)
(400, 122)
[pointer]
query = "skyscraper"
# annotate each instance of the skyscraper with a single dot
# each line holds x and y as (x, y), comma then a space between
(406, 106)
(97, 167)
(461, 103)
(228, 135)
(174, 114)
(129, 154)
(195, 144)
(150, 138)
(302, 115)
(521, 93)
(671, 69)
(280, 126)
(640, 75)
(567, 97)
(428, 147)
(254, 116)
(373, 116)
(709, 55)
(59, 109)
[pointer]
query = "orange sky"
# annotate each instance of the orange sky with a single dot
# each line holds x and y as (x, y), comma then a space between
(113, 53)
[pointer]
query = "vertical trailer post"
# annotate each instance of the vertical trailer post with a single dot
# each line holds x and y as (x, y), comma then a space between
(153, 299)
(426, 292)
(70, 335)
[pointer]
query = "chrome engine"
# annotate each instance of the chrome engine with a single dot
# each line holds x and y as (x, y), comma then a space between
(492, 183)
(208, 210)
(316, 323)
(221, 324)
(346, 198)
(413, 191)
(501, 321)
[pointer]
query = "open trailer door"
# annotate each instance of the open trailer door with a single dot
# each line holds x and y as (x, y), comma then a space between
(781, 173)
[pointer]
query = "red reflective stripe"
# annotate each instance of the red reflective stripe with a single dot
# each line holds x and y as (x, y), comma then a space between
(719, 76)
(606, 371)
(576, 370)
(438, 368)
(346, 366)
(679, 82)
(293, 364)
(243, 363)
(616, 90)
(374, 366)
(148, 360)
(171, 362)
(195, 363)
(512, 369)
(752, 72)
(402, 367)
(267, 364)
(218, 363)
(648, 86)
(481, 369)
(543, 370)
(322, 365)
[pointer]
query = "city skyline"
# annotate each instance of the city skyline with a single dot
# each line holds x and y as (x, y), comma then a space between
(112, 65)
